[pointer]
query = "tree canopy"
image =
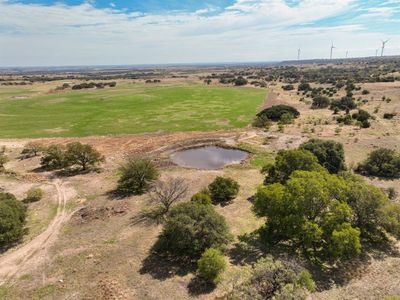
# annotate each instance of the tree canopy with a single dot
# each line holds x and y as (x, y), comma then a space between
(382, 162)
(330, 154)
(325, 215)
(275, 112)
(288, 161)
(12, 219)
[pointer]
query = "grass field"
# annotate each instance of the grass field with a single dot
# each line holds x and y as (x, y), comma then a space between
(128, 108)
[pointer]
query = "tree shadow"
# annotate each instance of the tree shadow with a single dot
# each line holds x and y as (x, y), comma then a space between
(199, 286)
(149, 216)
(163, 266)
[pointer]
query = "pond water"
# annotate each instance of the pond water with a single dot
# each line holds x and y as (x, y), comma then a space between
(208, 158)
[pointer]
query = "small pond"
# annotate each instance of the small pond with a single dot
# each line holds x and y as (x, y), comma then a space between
(208, 157)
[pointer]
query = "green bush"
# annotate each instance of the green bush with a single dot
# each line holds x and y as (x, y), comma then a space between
(136, 176)
(272, 279)
(201, 198)
(345, 103)
(288, 161)
(286, 118)
(34, 195)
(383, 163)
(211, 265)
(12, 219)
(320, 102)
(275, 112)
(191, 228)
(330, 154)
(223, 189)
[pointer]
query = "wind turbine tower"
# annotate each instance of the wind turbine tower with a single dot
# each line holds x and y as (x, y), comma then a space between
(332, 47)
(298, 53)
(376, 52)
(383, 45)
(347, 53)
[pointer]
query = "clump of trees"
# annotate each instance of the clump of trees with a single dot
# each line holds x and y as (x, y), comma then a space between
(345, 103)
(12, 219)
(271, 279)
(34, 195)
(223, 190)
(327, 216)
(383, 163)
(330, 154)
(240, 81)
(275, 112)
(137, 175)
(73, 154)
(191, 228)
(288, 87)
(320, 102)
(91, 85)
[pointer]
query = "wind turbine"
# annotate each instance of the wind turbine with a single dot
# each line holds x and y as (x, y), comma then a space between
(383, 45)
(376, 52)
(298, 53)
(347, 53)
(332, 47)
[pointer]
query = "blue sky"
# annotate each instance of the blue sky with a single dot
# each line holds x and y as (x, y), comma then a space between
(74, 32)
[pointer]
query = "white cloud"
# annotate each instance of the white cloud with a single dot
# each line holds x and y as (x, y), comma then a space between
(251, 30)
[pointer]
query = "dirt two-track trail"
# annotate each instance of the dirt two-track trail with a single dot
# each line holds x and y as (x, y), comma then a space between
(34, 253)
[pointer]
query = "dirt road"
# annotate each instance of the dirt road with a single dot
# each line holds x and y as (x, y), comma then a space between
(34, 253)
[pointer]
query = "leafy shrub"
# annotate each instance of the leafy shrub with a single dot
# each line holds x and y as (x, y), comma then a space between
(330, 154)
(320, 102)
(346, 119)
(304, 86)
(362, 115)
(272, 279)
(381, 163)
(201, 198)
(223, 189)
(137, 175)
(34, 195)
(262, 121)
(211, 265)
(54, 157)
(286, 118)
(12, 219)
(240, 81)
(365, 92)
(83, 155)
(191, 228)
(389, 116)
(275, 112)
(288, 87)
(288, 161)
(33, 149)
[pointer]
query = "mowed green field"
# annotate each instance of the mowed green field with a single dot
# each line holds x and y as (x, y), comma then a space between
(126, 109)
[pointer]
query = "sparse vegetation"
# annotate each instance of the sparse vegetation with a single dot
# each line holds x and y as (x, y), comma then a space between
(34, 195)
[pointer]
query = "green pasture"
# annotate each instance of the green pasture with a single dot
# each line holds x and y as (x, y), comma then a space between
(126, 109)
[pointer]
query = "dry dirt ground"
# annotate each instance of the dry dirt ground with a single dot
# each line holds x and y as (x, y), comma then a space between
(85, 244)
